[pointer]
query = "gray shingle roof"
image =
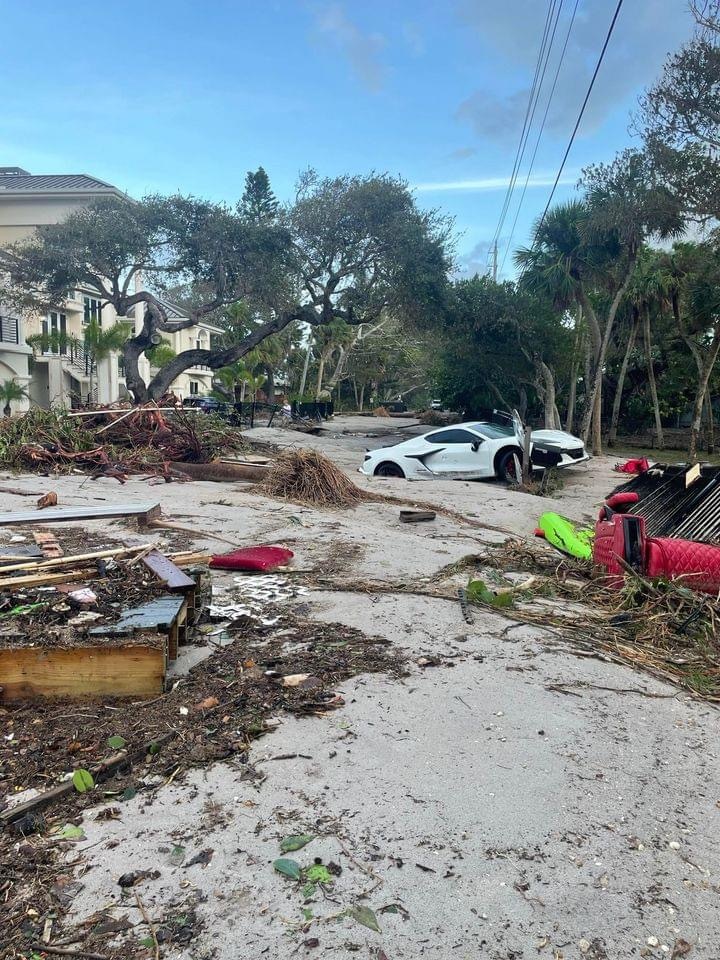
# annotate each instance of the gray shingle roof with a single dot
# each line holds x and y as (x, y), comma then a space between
(61, 183)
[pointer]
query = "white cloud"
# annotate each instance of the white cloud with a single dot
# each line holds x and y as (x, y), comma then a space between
(361, 49)
(493, 183)
(646, 31)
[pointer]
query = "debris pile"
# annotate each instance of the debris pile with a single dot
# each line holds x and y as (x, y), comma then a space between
(660, 627)
(308, 477)
(115, 442)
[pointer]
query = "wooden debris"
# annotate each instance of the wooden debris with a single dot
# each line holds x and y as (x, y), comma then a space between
(416, 516)
(144, 511)
(90, 671)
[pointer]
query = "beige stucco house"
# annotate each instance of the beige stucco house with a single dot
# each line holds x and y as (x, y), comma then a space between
(62, 377)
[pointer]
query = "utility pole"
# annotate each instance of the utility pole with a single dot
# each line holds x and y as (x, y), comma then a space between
(494, 262)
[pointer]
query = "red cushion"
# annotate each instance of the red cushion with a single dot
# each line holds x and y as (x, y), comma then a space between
(618, 500)
(253, 558)
(698, 564)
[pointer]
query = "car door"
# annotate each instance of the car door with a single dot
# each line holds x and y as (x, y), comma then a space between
(456, 453)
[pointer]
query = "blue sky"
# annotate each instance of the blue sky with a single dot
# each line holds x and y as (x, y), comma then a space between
(187, 96)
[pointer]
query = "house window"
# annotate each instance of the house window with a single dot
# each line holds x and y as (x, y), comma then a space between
(92, 310)
(54, 327)
(194, 388)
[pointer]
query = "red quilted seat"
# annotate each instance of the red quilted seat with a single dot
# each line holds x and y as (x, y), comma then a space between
(698, 564)
(608, 546)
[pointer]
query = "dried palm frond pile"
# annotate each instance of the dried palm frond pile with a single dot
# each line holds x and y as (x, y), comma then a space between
(308, 477)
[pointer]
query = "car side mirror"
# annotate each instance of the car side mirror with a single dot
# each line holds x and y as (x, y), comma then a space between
(476, 445)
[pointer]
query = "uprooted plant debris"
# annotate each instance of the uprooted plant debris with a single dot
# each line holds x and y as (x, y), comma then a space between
(309, 477)
(660, 627)
(212, 714)
(145, 440)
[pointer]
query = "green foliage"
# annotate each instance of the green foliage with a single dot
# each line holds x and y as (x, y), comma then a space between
(258, 202)
(11, 392)
(82, 780)
(491, 340)
(288, 868)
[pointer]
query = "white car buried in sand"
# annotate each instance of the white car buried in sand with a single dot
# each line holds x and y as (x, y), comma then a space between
(473, 451)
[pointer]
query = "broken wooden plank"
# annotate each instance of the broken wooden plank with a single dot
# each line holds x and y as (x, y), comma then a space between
(144, 511)
(165, 570)
(40, 565)
(131, 670)
(42, 579)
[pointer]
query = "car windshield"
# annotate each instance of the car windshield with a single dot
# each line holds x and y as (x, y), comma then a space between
(493, 431)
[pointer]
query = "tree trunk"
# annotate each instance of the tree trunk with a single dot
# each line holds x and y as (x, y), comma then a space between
(710, 421)
(523, 404)
(321, 373)
(705, 368)
(362, 398)
(617, 402)
(647, 337)
(593, 415)
(572, 393)
(703, 380)
(270, 384)
(597, 422)
(550, 408)
(7, 409)
(339, 368)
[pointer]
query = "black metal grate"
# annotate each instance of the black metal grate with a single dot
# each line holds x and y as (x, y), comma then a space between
(673, 510)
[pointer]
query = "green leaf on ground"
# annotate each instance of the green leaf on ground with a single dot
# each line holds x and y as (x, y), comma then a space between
(477, 592)
(177, 855)
(82, 780)
(288, 868)
(365, 916)
(147, 942)
(318, 873)
(307, 913)
(309, 890)
(117, 742)
(71, 832)
(128, 793)
(154, 748)
(296, 842)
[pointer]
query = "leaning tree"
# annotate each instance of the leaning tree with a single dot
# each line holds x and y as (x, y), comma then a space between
(347, 249)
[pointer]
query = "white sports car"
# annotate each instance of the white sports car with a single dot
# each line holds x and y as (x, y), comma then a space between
(473, 451)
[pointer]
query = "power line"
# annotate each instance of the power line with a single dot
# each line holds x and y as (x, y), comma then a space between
(523, 132)
(580, 115)
(539, 136)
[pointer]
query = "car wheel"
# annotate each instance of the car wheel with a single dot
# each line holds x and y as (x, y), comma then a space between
(506, 468)
(388, 469)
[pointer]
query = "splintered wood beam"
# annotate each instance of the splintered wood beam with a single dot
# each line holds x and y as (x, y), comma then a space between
(144, 511)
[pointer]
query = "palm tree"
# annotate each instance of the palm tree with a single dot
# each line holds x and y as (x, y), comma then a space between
(11, 392)
(100, 342)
